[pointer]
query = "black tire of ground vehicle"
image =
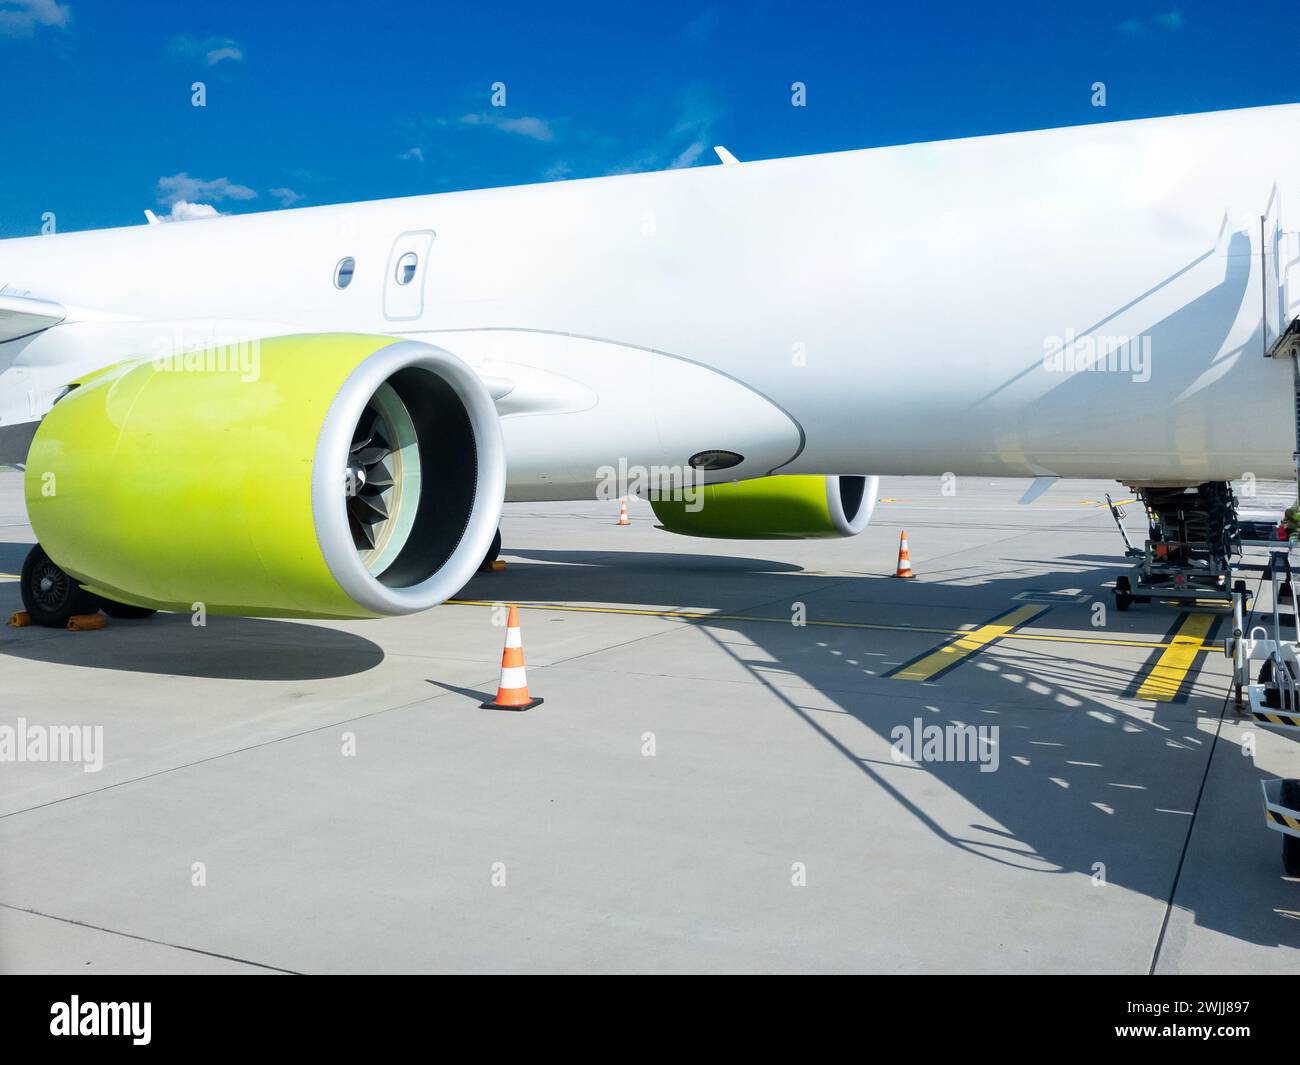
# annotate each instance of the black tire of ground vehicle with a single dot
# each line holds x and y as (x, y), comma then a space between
(125, 611)
(492, 554)
(51, 596)
(1123, 593)
(1291, 844)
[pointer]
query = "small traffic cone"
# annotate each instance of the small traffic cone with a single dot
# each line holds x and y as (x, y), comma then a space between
(512, 692)
(622, 513)
(904, 559)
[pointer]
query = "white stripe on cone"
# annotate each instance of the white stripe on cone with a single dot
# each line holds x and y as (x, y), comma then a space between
(513, 678)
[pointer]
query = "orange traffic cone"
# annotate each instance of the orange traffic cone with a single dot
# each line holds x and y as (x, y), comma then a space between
(512, 692)
(622, 513)
(904, 559)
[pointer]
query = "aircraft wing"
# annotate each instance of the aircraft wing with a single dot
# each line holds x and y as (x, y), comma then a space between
(21, 316)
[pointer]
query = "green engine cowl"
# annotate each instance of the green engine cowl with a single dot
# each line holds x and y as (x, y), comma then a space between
(785, 507)
(325, 475)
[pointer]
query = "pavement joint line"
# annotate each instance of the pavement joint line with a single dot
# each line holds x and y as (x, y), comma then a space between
(217, 757)
(1196, 805)
(147, 939)
(689, 615)
(610, 647)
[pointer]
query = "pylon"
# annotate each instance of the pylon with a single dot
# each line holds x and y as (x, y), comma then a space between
(512, 692)
(622, 513)
(904, 559)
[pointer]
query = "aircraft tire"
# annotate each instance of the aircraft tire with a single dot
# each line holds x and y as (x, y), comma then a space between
(51, 596)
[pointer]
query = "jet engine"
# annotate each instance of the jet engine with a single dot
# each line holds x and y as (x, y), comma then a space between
(326, 475)
(784, 507)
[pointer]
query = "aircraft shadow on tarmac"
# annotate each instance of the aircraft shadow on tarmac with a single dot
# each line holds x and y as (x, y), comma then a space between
(1053, 806)
(169, 645)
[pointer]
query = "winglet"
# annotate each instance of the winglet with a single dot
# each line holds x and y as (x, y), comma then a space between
(151, 217)
(724, 156)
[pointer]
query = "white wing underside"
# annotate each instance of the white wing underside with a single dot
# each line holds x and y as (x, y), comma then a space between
(21, 316)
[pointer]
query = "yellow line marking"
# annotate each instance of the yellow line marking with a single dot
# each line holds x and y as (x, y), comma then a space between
(1168, 674)
(967, 644)
(693, 615)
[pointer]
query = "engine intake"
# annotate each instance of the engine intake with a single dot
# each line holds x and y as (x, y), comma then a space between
(346, 475)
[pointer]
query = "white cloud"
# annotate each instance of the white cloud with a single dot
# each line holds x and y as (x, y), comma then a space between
(1171, 20)
(181, 186)
(184, 211)
(688, 155)
(413, 153)
(287, 197)
(211, 49)
(684, 145)
(557, 171)
(537, 129)
(19, 18)
(225, 51)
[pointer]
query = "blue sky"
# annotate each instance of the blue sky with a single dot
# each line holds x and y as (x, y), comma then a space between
(338, 101)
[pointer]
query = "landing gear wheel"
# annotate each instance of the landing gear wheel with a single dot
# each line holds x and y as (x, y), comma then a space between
(1291, 844)
(491, 556)
(1123, 594)
(51, 596)
(125, 611)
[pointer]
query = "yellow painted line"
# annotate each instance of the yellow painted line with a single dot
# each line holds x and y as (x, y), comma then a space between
(1171, 669)
(693, 615)
(950, 654)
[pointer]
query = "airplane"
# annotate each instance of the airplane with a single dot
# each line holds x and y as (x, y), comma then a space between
(319, 412)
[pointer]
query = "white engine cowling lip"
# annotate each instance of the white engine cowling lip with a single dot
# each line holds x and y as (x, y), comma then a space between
(845, 524)
(329, 506)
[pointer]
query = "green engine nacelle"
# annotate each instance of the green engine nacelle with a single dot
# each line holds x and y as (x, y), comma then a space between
(330, 475)
(785, 507)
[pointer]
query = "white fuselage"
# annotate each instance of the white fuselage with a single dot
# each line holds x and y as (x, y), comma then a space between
(895, 310)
